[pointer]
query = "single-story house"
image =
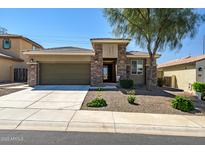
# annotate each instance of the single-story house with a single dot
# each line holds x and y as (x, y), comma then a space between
(183, 72)
(108, 61)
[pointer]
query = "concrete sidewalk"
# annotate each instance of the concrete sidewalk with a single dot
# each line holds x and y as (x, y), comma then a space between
(101, 121)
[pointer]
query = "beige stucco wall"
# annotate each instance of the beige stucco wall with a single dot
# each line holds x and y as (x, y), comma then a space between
(24, 46)
(200, 74)
(185, 76)
(6, 70)
(15, 46)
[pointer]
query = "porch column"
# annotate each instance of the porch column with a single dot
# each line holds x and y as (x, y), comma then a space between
(122, 62)
(97, 66)
(33, 73)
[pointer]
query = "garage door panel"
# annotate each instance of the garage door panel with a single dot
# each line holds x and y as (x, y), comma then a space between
(64, 73)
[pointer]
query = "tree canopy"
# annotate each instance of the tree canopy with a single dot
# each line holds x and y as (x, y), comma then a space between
(155, 29)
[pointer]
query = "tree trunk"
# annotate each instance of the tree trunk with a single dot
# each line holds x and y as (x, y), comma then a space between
(151, 73)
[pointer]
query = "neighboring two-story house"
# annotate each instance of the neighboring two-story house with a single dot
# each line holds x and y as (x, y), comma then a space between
(13, 66)
(108, 61)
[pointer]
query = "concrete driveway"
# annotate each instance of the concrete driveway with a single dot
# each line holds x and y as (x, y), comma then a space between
(46, 97)
(41, 107)
(56, 108)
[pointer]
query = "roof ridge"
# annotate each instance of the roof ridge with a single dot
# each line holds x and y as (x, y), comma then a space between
(65, 47)
(10, 34)
(136, 51)
(183, 60)
(21, 36)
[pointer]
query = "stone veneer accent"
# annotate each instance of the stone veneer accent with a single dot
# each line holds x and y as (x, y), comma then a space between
(33, 73)
(97, 66)
(122, 62)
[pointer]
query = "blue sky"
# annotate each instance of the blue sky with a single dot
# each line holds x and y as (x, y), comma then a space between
(74, 27)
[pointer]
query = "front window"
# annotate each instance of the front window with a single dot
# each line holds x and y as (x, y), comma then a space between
(33, 47)
(6, 44)
(137, 67)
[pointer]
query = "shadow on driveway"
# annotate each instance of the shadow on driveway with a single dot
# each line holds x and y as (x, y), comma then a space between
(62, 87)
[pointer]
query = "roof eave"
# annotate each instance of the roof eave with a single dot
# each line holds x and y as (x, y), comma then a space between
(66, 54)
(162, 67)
(110, 41)
(13, 59)
(141, 56)
(31, 41)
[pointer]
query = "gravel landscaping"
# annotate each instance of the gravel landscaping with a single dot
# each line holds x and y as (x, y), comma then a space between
(156, 101)
(6, 91)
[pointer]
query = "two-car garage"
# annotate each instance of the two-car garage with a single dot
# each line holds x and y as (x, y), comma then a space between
(64, 73)
(60, 66)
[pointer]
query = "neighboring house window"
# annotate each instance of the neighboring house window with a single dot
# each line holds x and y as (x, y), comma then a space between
(33, 47)
(6, 44)
(137, 67)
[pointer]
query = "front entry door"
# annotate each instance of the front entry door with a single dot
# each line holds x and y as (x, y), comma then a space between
(108, 73)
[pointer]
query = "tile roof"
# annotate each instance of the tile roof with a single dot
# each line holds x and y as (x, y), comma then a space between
(139, 53)
(61, 51)
(7, 55)
(68, 49)
(185, 60)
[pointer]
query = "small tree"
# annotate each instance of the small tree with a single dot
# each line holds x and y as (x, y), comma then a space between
(154, 29)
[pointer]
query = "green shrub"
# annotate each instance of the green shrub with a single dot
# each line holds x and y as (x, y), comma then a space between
(131, 92)
(99, 89)
(97, 102)
(199, 86)
(160, 82)
(131, 99)
(182, 103)
(127, 84)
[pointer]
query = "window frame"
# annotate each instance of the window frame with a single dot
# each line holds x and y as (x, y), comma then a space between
(6, 39)
(33, 47)
(137, 67)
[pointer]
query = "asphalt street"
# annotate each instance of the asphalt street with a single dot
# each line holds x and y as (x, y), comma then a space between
(26, 137)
